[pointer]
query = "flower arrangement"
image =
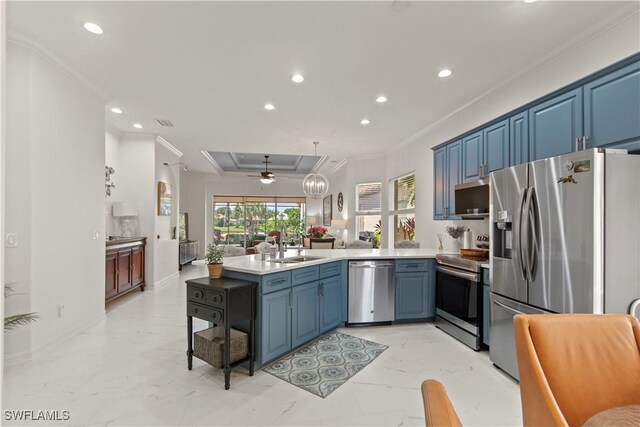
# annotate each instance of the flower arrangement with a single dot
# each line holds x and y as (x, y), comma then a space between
(455, 231)
(317, 231)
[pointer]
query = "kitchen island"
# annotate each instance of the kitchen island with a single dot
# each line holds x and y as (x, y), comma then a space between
(302, 296)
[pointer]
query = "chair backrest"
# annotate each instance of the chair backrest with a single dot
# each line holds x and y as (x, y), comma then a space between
(263, 248)
(359, 244)
(321, 243)
(404, 244)
(306, 242)
(438, 410)
(573, 366)
(274, 233)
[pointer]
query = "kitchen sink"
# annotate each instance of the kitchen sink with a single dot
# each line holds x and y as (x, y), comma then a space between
(295, 259)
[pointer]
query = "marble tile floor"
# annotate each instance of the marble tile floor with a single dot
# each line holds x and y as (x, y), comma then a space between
(130, 370)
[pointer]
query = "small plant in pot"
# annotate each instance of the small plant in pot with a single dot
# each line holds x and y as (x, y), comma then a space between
(214, 260)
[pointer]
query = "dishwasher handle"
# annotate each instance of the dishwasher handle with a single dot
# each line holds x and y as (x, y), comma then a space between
(356, 265)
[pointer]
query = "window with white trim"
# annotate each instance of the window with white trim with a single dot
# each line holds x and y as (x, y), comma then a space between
(402, 212)
(368, 212)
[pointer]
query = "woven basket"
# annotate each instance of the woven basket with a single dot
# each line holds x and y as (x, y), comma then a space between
(208, 344)
(475, 253)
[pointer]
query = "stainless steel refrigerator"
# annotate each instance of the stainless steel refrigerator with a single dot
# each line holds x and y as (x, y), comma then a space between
(565, 238)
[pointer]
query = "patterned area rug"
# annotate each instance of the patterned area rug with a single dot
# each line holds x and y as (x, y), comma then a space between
(327, 363)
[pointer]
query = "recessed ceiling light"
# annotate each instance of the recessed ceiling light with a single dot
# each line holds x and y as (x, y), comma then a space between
(530, 1)
(297, 78)
(445, 73)
(381, 99)
(137, 125)
(365, 121)
(116, 110)
(92, 28)
(269, 107)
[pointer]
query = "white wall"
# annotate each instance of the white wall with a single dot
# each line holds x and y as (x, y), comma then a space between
(138, 162)
(165, 246)
(3, 69)
(55, 198)
(193, 200)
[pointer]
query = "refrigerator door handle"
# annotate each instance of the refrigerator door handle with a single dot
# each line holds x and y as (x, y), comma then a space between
(499, 304)
(533, 227)
(521, 217)
(527, 228)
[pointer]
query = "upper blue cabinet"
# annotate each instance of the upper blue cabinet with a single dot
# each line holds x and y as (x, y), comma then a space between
(612, 109)
(447, 162)
(554, 125)
(472, 152)
(496, 147)
(519, 139)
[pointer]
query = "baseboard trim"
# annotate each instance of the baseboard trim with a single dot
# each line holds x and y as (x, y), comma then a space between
(25, 356)
(169, 279)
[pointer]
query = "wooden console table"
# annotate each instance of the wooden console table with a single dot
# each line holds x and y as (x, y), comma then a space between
(223, 302)
(124, 266)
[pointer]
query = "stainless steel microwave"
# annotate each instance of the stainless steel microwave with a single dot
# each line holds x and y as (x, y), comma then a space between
(472, 199)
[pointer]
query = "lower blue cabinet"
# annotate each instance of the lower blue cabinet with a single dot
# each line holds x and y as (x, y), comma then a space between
(275, 328)
(415, 295)
(305, 313)
(330, 303)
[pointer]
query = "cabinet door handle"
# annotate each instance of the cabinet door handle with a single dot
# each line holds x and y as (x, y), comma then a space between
(578, 141)
(322, 289)
(585, 141)
(290, 299)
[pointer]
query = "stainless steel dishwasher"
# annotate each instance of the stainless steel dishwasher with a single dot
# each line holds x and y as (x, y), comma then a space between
(372, 291)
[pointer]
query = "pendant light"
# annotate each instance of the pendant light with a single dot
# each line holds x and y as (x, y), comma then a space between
(315, 185)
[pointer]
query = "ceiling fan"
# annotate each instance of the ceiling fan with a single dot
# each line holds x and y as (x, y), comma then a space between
(266, 177)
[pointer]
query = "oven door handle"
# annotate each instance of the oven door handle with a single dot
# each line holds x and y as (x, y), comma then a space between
(457, 273)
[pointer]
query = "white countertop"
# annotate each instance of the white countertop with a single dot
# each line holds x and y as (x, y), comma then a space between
(485, 265)
(253, 265)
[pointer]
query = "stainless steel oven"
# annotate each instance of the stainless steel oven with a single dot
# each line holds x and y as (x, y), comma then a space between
(459, 298)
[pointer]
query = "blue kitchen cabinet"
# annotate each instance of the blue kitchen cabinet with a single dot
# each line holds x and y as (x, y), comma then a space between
(440, 176)
(415, 289)
(411, 295)
(612, 109)
(447, 173)
(496, 147)
(275, 325)
(330, 303)
(554, 125)
(472, 160)
(454, 177)
(305, 313)
(519, 139)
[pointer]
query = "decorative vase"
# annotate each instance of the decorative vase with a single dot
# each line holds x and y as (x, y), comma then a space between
(455, 245)
(215, 270)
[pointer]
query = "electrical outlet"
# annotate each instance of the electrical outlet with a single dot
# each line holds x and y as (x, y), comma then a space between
(11, 240)
(60, 307)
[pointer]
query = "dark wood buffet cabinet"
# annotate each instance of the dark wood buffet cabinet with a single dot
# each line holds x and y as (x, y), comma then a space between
(124, 266)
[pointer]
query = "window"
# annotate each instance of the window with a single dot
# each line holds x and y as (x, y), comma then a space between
(368, 208)
(402, 213)
(239, 220)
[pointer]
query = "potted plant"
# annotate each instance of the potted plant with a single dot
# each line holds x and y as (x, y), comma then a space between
(214, 260)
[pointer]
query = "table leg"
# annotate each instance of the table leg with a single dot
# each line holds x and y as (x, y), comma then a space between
(227, 357)
(189, 342)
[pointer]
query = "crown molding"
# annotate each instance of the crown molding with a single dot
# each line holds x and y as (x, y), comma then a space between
(554, 55)
(337, 167)
(166, 144)
(216, 167)
(30, 43)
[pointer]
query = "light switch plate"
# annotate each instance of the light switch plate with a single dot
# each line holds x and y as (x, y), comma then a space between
(11, 240)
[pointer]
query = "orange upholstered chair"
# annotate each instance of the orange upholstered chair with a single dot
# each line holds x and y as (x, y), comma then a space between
(573, 366)
(438, 410)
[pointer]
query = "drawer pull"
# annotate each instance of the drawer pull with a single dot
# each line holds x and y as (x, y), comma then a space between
(412, 265)
(277, 282)
(195, 310)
